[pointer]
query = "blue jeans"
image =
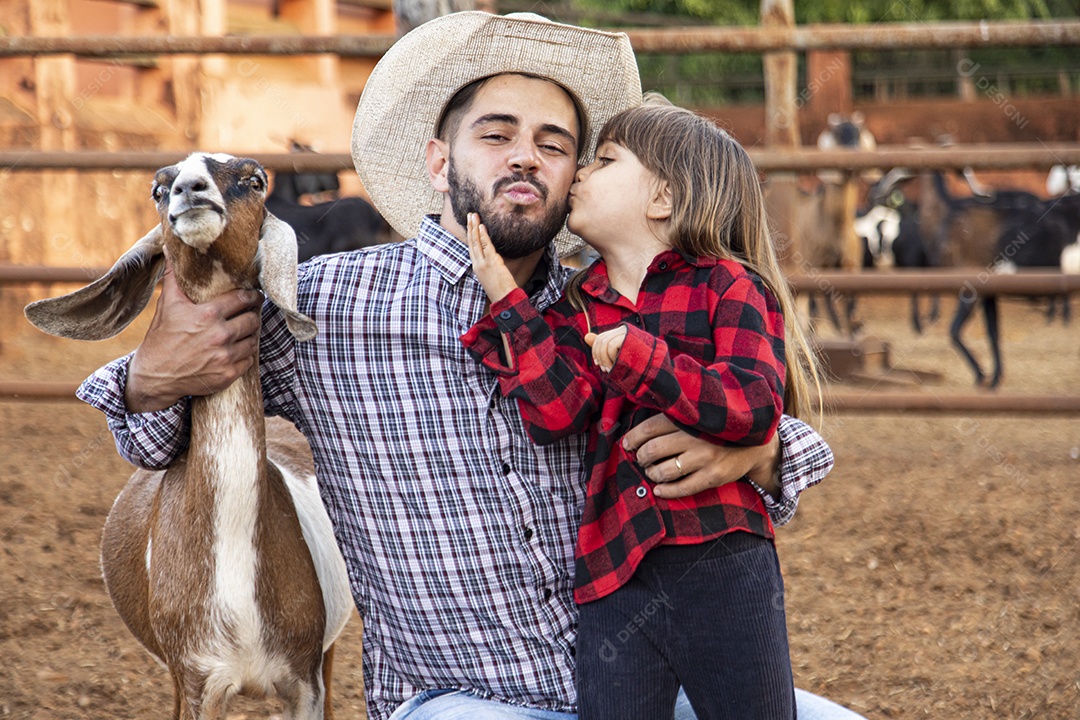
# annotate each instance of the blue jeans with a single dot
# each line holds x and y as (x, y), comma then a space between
(457, 705)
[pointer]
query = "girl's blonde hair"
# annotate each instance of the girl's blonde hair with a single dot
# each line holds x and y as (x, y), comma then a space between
(717, 211)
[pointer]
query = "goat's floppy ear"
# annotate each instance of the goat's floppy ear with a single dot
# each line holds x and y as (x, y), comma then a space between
(108, 305)
(277, 274)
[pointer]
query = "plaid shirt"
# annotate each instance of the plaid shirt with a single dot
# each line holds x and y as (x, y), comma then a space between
(457, 531)
(704, 346)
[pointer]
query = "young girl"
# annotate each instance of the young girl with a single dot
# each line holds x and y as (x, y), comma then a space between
(683, 314)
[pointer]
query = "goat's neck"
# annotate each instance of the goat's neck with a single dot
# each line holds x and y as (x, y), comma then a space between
(228, 432)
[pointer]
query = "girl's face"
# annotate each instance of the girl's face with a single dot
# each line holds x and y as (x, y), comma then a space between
(610, 198)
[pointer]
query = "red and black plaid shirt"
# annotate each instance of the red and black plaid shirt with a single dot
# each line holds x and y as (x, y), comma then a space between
(704, 346)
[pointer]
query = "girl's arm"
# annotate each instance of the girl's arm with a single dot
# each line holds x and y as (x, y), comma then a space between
(546, 364)
(739, 398)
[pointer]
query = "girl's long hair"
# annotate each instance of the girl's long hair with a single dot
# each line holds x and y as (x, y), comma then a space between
(717, 211)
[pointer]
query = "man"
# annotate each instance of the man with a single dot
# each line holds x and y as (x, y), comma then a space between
(457, 531)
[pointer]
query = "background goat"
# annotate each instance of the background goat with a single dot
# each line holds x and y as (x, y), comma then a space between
(343, 224)
(224, 566)
(1003, 231)
(825, 218)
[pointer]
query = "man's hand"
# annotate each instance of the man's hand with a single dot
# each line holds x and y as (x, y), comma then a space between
(192, 349)
(488, 265)
(606, 346)
(682, 465)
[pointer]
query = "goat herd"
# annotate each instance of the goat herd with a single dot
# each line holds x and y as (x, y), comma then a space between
(913, 220)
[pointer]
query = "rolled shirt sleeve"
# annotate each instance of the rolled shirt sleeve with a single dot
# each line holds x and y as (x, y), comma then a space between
(150, 440)
(806, 460)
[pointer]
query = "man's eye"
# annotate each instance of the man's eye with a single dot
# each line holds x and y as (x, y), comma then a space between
(554, 148)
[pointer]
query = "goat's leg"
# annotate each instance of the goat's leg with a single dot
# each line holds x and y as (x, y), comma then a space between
(916, 319)
(935, 308)
(327, 672)
(830, 310)
(302, 697)
(990, 315)
(963, 314)
(851, 312)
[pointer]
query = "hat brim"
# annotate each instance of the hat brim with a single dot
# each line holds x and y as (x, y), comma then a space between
(405, 95)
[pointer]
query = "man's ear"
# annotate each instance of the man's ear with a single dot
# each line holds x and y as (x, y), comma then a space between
(660, 205)
(437, 158)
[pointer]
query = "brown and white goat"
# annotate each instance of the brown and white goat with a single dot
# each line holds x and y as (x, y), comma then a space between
(224, 565)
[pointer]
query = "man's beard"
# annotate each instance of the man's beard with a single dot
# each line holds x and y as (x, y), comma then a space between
(512, 234)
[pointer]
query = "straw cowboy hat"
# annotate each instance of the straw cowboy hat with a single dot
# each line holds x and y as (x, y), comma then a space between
(407, 90)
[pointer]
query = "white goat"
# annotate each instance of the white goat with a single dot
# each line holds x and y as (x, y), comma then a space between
(224, 566)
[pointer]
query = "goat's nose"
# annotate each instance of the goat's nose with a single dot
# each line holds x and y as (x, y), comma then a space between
(195, 185)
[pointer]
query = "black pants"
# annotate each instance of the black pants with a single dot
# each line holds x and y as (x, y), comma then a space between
(709, 617)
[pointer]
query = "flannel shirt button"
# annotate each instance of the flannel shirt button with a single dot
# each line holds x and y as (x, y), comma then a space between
(506, 468)
(573, 651)
(528, 533)
(642, 491)
(506, 314)
(547, 593)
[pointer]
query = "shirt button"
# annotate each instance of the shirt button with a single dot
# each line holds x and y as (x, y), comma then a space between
(506, 468)
(505, 314)
(573, 651)
(547, 593)
(642, 491)
(528, 533)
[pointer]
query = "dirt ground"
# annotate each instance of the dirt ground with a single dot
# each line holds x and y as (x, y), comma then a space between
(934, 573)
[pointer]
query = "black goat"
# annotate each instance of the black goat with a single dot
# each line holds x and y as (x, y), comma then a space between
(347, 223)
(1004, 231)
(890, 228)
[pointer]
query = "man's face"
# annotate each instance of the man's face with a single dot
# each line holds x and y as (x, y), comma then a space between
(512, 160)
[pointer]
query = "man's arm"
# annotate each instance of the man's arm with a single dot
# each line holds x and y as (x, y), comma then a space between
(796, 458)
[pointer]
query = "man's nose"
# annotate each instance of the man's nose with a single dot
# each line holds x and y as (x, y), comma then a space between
(524, 155)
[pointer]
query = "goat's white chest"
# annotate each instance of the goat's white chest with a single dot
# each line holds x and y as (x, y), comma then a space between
(234, 468)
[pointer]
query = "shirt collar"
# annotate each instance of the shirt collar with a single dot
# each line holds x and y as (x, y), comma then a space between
(598, 284)
(447, 254)
(450, 257)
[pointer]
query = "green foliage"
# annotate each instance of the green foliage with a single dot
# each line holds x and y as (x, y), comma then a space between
(712, 79)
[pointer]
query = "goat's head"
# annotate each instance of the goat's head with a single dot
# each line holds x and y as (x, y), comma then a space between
(218, 236)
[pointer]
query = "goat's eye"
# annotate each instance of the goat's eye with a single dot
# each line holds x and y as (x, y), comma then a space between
(255, 182)
(158, 192)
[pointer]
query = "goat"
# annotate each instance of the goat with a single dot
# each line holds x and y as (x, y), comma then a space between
(224, 565)
(825, 219)
(1007, 230)
(890, 229)
(346, 223)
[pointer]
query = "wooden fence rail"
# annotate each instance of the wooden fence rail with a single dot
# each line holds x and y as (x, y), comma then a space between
(747, 39)
(978, 157)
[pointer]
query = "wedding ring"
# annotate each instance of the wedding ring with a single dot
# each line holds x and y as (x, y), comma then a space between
(679, 466)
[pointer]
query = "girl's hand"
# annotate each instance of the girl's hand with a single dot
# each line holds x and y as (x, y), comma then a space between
(487, 263)
(606, 346)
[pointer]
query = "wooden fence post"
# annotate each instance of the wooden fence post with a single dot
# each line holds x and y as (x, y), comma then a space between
(781, 129)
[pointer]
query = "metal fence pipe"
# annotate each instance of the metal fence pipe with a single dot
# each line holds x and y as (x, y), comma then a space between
(877, 36)
(883, 282)
(974, 281)
(748, 39)
(981, 404)
(977, 157)
(32, 160)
